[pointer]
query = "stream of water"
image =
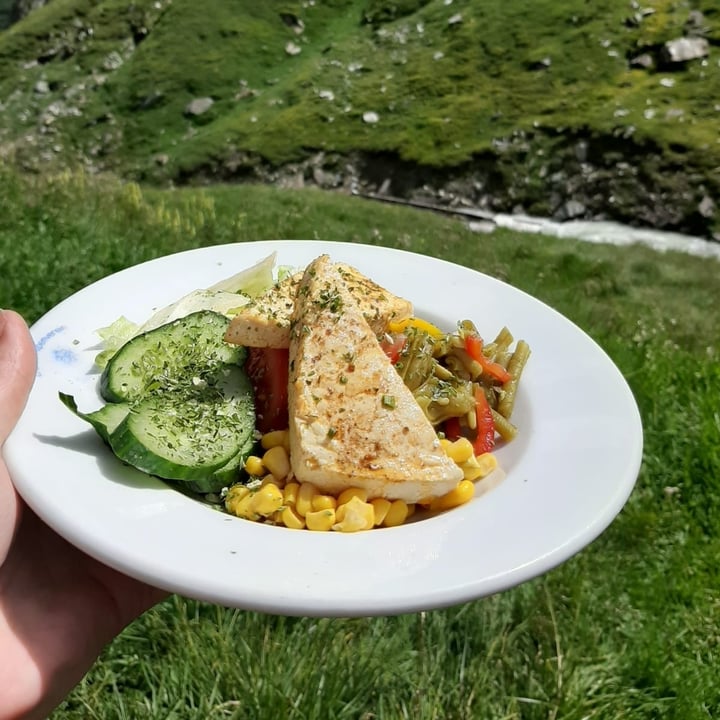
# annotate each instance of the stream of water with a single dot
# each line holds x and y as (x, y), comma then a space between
(602, 232)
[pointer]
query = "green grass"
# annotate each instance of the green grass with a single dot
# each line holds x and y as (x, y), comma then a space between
(626, 629)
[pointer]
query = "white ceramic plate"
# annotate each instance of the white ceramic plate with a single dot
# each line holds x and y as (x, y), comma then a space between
(567, 475)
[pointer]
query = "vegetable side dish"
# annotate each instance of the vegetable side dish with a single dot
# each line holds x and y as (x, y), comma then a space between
(317, 400)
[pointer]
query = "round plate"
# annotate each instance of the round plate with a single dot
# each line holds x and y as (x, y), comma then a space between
(567, 474)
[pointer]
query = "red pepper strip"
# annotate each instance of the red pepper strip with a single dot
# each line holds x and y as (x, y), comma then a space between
(393, 348)
(485, 439)
(474, 348)
(452, 428)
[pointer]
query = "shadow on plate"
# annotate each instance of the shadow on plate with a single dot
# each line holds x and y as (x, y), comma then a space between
(110, 468)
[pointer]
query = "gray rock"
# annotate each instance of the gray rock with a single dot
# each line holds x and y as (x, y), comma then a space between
(684, 49)
(198, 106)
(573, 209)
(644, 61)
(41, 87)
(112, 61)
(707, 207)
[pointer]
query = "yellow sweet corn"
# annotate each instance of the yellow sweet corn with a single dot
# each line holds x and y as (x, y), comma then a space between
(244, 507)
(290, 493)
(475, 468)
(277, 461)
(381, 507)
(290, 518)
(459, 496)
(303, 504)
(322, 520)
(276, 438)
(323, 502)
(254, 466)
(460, 450)
(397, 514)
(354, 515)
(266, 500)
(234, 495)
(352, 492)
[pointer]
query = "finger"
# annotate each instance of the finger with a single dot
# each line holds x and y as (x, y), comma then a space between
(17, 369)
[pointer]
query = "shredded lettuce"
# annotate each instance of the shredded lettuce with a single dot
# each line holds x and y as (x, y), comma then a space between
(113, 337)
(252, 281)
(227, 297)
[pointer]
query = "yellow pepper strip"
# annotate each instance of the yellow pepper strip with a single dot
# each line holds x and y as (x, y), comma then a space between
(417, 323)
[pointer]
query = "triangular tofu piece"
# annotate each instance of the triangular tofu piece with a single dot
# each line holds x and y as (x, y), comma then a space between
(353, 421)
(265, 321)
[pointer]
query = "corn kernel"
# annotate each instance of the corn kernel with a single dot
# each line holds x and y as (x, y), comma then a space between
(290, 493)
(234, 495)
(320, 519)
(303, 504)
(291, 519)
(266, 500)
(487, 462)
(277, 462)
(352, 492)
(254, 466)
(356, 515)
(323, 502)
(381, 507)
(411, 510)
(276, 438)
(397, 513)
(460, 450)
(243, 508)
(478, 467)
(458, 496)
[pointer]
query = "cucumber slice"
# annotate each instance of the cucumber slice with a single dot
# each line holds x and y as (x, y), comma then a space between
(224, 476)
(105, 420)
(189, 437)
(178, 356)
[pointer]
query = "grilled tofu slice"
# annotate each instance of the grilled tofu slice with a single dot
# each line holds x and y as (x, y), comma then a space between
(265, 322)
(353, 421)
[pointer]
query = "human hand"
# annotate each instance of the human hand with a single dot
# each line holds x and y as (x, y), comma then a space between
(58, 607)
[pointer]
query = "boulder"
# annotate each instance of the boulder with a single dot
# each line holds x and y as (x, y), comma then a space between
(199, 106)
(684, 49)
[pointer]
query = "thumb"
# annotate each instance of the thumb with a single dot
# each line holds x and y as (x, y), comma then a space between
(17, 369)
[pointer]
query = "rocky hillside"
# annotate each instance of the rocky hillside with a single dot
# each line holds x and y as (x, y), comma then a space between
(549, 107)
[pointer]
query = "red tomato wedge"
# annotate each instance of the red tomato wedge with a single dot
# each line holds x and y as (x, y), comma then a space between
(267, 369)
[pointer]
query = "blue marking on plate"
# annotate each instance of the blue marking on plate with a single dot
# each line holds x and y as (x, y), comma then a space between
(42, 342)
(65, 356)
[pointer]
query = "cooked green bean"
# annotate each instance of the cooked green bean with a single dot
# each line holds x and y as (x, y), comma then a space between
(515, 368)
(504, 428)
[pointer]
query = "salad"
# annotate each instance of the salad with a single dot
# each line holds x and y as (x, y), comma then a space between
(213, 411)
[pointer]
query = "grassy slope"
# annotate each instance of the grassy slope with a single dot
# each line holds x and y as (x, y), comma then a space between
(434, 111)
(628, 628)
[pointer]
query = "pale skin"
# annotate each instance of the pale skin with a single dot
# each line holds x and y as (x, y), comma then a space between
(58, 607)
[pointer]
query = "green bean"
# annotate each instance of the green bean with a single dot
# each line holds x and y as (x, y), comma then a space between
(503, 426)
(515, 368)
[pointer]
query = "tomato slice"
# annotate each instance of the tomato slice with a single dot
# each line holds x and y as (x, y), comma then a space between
(267, 369)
